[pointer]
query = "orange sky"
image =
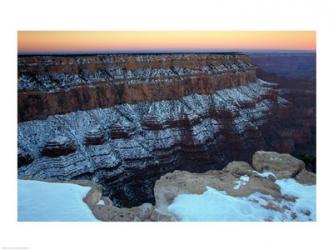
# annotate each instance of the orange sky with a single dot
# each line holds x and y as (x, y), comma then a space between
(85, 41)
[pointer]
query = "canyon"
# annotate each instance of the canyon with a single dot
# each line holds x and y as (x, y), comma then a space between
(125, 120)
(296, 75)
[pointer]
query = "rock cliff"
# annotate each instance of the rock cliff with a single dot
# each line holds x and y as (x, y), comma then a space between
(125, 120)
(57, 85)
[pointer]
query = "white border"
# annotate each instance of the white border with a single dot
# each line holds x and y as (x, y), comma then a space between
(164, 15)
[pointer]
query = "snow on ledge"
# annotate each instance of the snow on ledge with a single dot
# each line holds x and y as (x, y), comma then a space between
(243, 180)
(214, 205)
(101, 202)
(44, 201)
(264, 174)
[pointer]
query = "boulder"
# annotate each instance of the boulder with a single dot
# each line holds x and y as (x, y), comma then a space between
(112, 213)
(238, 168)
(306, 177)
(158, 215)
(93, 196)
(57, 146)
(94, 136)
(282, 165)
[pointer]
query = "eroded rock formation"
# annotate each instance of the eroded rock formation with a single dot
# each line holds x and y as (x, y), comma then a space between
(169, 186)
(154, 114)
(57, 146)
(95, 136)
(55, 85)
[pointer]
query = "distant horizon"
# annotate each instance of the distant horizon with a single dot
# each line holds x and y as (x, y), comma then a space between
(93, 42)
(108, 52)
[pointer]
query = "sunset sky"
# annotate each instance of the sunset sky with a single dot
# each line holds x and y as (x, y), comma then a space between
(94, 41)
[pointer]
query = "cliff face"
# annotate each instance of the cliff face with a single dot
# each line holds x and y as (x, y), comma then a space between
(299, 127)
(125, 120)
(58, 85)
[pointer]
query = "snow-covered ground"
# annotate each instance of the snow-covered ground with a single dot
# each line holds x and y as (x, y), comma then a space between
(43, 201)
(306, 197)
(214, 205)
(241, 182)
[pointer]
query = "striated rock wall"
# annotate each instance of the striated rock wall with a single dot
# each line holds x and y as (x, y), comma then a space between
(144, 141)
(51, 85)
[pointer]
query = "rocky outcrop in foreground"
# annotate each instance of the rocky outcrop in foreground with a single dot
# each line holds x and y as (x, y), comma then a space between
(230, 179)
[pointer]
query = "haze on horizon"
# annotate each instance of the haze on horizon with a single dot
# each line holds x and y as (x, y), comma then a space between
(40, 42)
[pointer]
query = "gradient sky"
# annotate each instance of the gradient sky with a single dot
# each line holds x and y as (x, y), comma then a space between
(91, 41)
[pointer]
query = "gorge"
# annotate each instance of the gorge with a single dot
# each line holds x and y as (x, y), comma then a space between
(125, 120)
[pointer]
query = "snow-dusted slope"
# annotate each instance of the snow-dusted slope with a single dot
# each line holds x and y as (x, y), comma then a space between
(43, 201)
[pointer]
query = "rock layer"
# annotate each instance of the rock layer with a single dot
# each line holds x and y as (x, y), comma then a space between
(57, 146)
(94, 136)
(56, 85)
(145, 141)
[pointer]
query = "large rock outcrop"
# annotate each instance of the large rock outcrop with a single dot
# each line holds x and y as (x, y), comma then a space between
(282, 165)
(180, 182)
(237, 179)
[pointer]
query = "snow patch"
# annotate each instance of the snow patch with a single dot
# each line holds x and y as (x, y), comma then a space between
(305, 205)
(264, 174)
(243, 180)
(214, 205)
(101, 202)
(43, 201)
